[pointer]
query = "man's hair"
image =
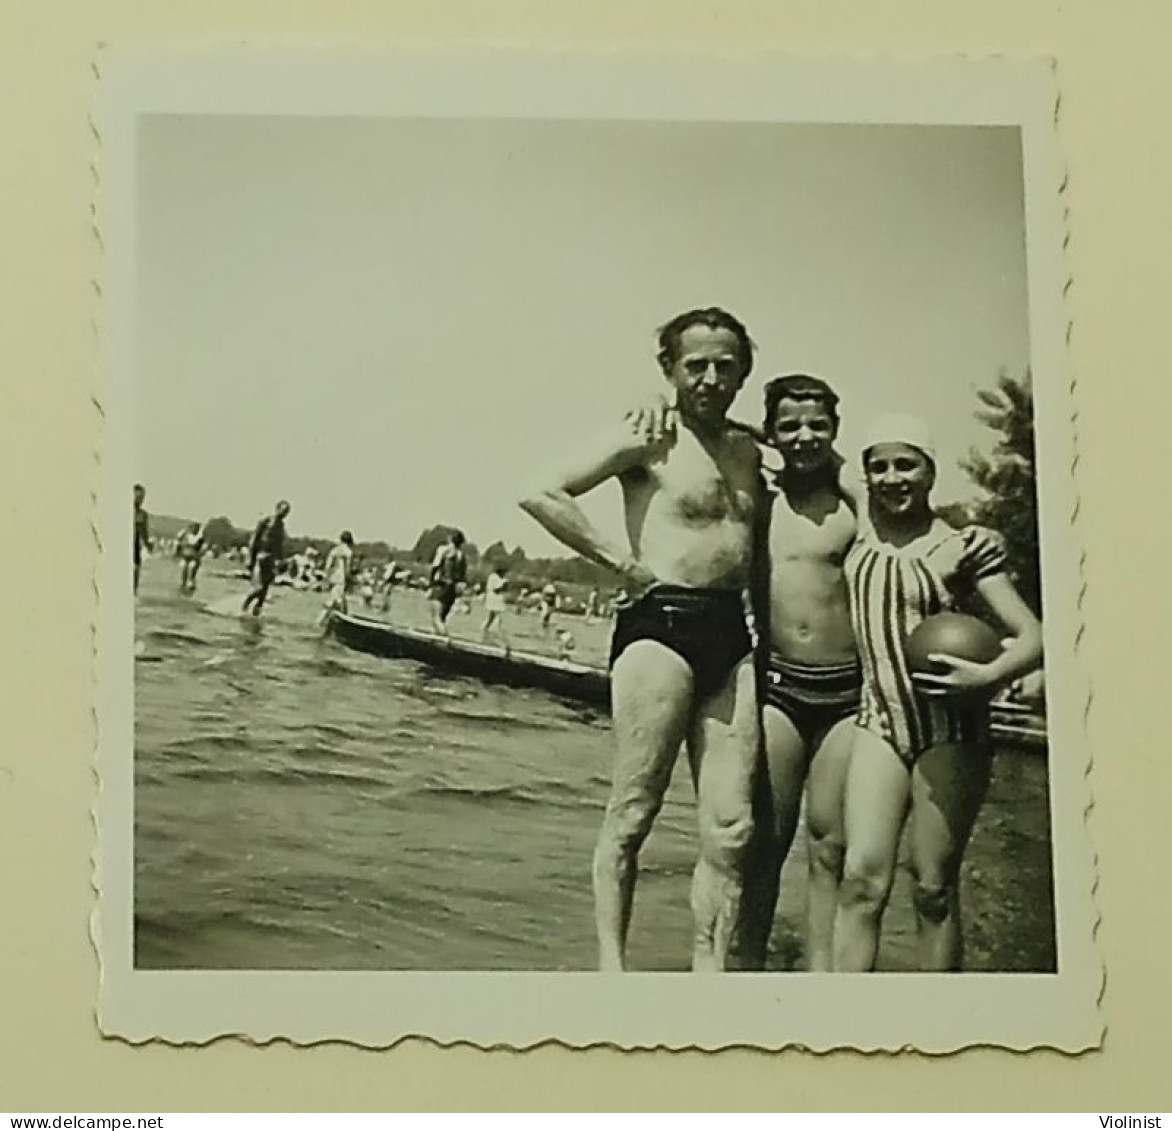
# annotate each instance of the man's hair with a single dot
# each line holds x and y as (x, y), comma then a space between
(347, 537)
(798, 387)
(140, 487)
(715, 319)
(283, 503)
(456, 538)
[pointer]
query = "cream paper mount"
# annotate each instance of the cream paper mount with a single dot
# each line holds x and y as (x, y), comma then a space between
(145, 95)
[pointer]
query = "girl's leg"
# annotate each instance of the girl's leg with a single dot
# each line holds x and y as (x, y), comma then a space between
(878, 789)
(825, 840)
(948, 787)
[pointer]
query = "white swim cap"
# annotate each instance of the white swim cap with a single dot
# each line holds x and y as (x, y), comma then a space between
(899, 428)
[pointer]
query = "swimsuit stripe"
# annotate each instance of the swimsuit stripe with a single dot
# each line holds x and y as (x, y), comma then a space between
(869, 562)
(929, 601)
(897, 593)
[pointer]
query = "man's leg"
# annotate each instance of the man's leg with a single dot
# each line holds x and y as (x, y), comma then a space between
(777, 794)
(722, 747)
(825, 841)
(651, 695)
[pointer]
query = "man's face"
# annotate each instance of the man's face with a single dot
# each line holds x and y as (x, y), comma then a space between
(899, 478)
(804, 433)
(139, 496)
(283, 510)
(706, 372)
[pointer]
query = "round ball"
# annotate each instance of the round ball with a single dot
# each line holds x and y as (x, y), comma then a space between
(951, 634)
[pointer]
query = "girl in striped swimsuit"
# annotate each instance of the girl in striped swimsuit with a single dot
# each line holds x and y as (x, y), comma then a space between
(921, 744)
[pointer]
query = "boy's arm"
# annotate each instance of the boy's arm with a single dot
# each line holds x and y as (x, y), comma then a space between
(851, 485)
(554, 505)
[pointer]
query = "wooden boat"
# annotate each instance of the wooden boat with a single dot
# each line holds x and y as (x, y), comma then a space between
(1012, 723)
(581, 682)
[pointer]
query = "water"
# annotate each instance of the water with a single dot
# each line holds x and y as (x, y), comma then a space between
(301, 806)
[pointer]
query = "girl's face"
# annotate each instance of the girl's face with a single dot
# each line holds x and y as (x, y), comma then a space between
(899, 479)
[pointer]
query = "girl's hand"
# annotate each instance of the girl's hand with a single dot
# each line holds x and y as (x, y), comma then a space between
(955, 678)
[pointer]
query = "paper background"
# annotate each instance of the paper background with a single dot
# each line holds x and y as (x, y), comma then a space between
(1114, 84)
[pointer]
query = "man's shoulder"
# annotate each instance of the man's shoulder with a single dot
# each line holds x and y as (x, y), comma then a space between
(742, 445)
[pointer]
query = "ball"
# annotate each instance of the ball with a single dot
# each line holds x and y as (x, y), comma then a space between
(951, 634)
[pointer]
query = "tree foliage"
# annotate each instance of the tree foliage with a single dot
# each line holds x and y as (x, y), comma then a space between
(1007, 478)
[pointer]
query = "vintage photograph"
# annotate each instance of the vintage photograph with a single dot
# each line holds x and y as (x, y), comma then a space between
(589, 543)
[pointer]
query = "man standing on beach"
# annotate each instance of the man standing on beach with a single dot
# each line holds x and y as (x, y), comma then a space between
(448, 572)
(264, 555)
(142, 530)
(681, 655)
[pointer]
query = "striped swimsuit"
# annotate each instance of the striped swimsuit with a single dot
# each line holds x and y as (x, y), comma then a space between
(891, 592)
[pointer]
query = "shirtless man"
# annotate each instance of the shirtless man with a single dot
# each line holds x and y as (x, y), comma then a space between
(681, 655)
(448, 573)
(142, 530)
(265, 552)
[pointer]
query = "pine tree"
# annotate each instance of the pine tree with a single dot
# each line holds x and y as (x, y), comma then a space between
(1008, 480)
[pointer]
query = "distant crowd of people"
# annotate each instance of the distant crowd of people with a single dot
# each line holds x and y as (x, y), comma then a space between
(342, 575)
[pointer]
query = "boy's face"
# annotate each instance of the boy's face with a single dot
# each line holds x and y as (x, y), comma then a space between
(804, 433)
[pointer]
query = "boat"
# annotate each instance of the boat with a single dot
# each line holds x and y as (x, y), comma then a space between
(516, 668)
(1012, 723)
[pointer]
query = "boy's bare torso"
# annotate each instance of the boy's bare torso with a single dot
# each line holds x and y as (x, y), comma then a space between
(809, 614)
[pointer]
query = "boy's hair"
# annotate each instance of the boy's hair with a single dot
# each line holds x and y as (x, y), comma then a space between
(798, 387)
(715, 319)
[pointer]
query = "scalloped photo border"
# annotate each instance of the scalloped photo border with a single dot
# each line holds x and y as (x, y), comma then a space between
(889, 1012)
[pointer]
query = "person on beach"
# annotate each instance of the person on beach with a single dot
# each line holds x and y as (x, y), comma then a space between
(190, 547)
(810, 666)
(339, 570)
(390, 570)
(142, 531)
(449, 570)
(681, 654)
(265, 552)
(494, 606)
(548, 606)
(922, 750)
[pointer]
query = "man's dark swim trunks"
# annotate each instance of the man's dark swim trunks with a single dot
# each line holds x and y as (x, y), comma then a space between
(813, 697)
(705, 627)
(266, 568)
(445, 593)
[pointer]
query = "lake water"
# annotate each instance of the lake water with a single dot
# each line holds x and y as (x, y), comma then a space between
(301, 806)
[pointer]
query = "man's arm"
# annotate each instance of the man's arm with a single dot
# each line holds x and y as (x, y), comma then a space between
(556, 509)
(254, 545)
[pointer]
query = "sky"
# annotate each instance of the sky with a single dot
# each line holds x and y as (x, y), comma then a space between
(395, 323)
